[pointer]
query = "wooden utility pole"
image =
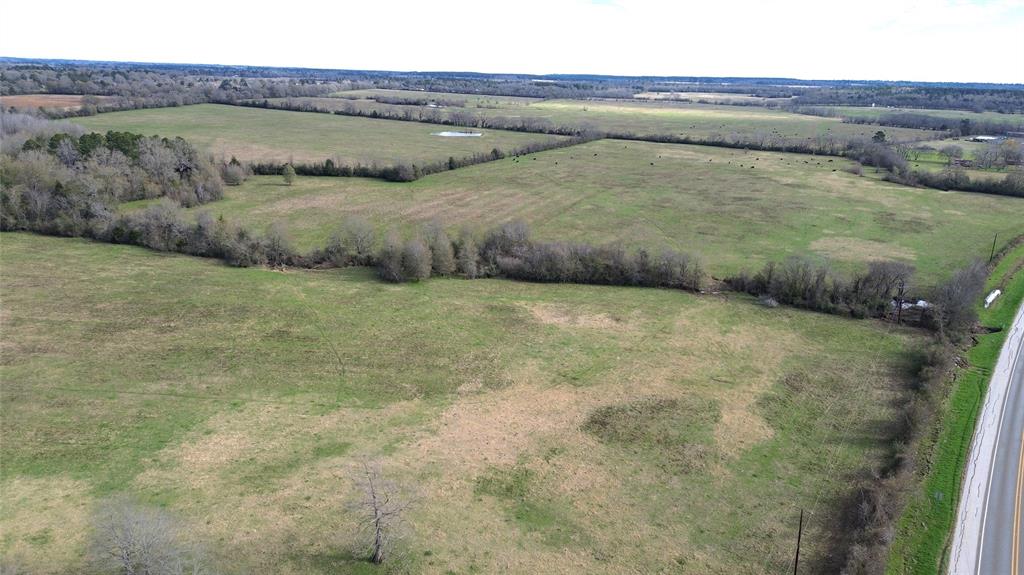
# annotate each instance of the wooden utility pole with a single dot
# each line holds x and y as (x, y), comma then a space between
(992, 255)
(799, 535)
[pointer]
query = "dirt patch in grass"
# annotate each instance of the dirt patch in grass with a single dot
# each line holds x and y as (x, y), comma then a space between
(44, 522)
(856, 249)
(566, 317)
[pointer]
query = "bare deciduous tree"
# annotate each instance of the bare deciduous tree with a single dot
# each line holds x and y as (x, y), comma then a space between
(956, 298)
(952, 152)
(442, 254)
(468, 255)
(389, 259)
(131, 539)
(382, 509)
(358, 237)
(416, 260)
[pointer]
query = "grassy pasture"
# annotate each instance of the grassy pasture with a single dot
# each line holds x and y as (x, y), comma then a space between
(956, 115)
(277, 135)
(700, 199)
(529, 418)
(658, 118)
(712, 97)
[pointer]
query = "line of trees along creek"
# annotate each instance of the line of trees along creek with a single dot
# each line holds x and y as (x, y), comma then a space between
(893, 159)
(919, 120)
(407, 171)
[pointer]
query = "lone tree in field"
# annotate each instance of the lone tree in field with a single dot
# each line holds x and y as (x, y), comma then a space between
(382, 512)
(879, 137)
(289, 174)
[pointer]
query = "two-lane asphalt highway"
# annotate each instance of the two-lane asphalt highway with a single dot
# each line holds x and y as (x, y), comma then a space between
(1001, 526)
(989, 536)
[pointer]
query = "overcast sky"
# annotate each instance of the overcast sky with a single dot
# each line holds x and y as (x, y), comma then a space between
(930, 40)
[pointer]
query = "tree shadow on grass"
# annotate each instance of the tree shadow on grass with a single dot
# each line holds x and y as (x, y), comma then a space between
(340, 561)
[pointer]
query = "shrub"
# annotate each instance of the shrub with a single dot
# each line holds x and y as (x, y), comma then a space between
(416, 260)
(389, 259)
(468, 256)
(442, 254)
(232, 174)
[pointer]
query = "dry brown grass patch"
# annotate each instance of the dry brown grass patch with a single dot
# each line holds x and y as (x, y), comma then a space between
(856, 249)
(44, 522)
(562, 316)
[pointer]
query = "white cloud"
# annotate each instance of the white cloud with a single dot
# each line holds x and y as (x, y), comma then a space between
(937, 40)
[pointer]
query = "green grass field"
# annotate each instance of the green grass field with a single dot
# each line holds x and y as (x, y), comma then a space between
(656, 118)
(253, 134)
(711, 97)
(543, 427)
(700, 199)
(956, 115)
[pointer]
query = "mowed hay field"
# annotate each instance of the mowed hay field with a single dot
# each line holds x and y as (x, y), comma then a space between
(646, 118)
(540, 428)
(47, 101)
(252, 134)
(735, 209)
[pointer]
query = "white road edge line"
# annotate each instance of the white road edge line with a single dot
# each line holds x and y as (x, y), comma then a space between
(971, 513)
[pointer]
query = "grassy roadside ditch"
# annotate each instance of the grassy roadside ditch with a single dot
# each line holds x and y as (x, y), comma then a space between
(921, 540)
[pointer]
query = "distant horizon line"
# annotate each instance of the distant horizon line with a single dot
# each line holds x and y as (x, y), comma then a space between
(565, 75)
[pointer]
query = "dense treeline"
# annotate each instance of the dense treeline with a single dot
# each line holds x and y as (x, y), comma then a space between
(883, 290)
(919, 120)
(893, 159)
(509, 252)
(520, 87)
(953, 178)
(65, 183)
(405, 101)
(131, 88)
(407, 172)
(1005, 100)
(804, 283)
(963, 126)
